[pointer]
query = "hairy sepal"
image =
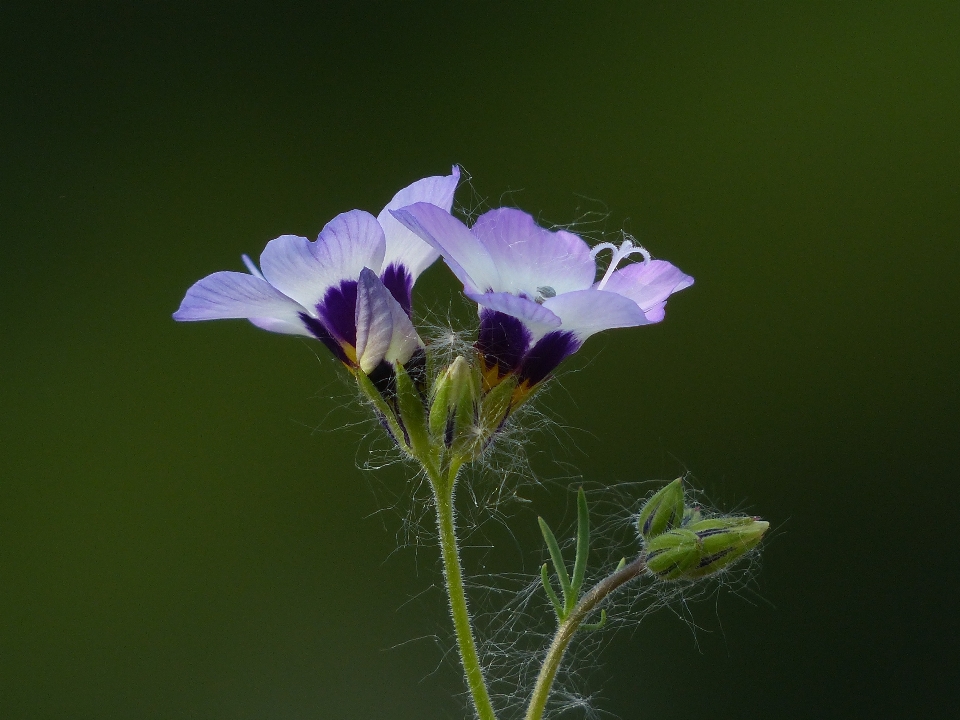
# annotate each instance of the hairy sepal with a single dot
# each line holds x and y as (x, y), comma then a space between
(383, 409)
(413, 415)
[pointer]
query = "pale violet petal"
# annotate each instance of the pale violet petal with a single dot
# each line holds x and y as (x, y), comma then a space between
(656, 313)
(384, 331)
(251, 266)
(404, 341)
(285, 327)
(585, 312)
(403, 246)
(225, 295)
(648, 284)
(374, 320)
(350, 242)
(539, 319)
(461, 250)
(288, 263)
(528, 257)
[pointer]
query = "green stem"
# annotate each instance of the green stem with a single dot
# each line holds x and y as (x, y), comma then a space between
(567, 629)
(443, 496)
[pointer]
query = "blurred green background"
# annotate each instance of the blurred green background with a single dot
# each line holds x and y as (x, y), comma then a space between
(184, 532)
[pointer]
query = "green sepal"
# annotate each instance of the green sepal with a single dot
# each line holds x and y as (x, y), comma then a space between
(670, 555)
(663, 511)
(412, 413)
(439, 406)
(495, 406)
(723, 541)
(383, 408)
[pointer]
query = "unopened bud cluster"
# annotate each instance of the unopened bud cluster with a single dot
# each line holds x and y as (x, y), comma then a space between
(450, 418)
(679, 544)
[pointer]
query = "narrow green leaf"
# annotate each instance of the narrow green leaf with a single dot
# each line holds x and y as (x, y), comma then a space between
(597, 625)
(557, 558)
(545, 579)
(583, 544)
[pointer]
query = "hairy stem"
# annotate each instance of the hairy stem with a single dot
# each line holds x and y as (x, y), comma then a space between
(443, 496)
(567, 629)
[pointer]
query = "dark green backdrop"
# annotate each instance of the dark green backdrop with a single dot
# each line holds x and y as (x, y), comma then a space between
(177, 540)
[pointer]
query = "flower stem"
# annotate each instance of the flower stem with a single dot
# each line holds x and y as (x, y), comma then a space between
(443, 496)
(567, 629)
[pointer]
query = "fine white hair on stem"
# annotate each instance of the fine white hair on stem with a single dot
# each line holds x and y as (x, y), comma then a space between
(516, 622)
(513, 617)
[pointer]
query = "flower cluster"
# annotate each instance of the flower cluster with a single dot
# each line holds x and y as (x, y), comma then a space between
(537, 291)
(540, 295)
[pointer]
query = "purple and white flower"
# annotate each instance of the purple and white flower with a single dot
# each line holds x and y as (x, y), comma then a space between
(537, 291)
(350, 289)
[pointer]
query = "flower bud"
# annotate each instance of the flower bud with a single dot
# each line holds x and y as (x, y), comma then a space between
(691, 515)
(671, 554)
(663, 511)
(724, 540)
(454, 408)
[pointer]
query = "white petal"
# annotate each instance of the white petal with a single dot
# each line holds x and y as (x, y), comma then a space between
(384, 332)
(461, 250)
(529, 257)
(403, 246)
(226, 295)
(586, 312)
(539, 319)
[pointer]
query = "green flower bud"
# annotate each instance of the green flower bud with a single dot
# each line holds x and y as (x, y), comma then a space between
(724, 540)
(691, 515)
(663, 511)
(672, 554)
(454, 408)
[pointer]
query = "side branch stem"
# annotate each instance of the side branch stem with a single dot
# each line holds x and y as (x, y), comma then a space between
(443, 496)
(567, 629)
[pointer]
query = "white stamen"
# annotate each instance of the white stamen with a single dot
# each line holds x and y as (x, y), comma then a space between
(254, 270)
(626, 249)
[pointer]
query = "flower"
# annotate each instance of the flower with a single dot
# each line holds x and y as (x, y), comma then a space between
(350, 289)
(537, 292)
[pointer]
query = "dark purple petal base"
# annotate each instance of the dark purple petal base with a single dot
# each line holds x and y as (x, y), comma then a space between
(504, 344)
(323, 335)
(399, 282)
(502, 341)
(338, 310)
(543, 358)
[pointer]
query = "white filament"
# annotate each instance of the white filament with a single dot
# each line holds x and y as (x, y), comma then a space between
(626, 249)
